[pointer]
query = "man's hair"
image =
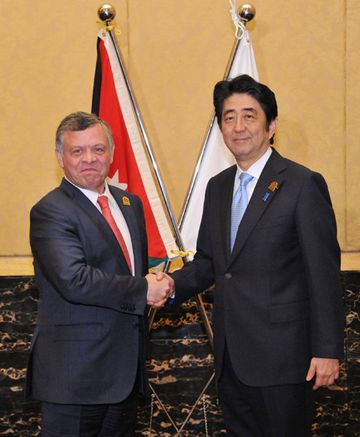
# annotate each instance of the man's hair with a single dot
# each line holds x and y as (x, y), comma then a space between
(245, 84)
(78, 121)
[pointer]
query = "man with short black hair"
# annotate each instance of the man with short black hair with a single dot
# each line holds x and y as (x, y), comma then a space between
(268, 241)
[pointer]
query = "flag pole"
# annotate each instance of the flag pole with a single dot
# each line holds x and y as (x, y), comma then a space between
(106, 14)
(246, 13)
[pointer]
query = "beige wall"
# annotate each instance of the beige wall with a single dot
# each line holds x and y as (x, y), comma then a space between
(175, 52)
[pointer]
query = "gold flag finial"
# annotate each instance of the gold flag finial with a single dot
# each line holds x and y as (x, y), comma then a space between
(106, 13)
(246, 12)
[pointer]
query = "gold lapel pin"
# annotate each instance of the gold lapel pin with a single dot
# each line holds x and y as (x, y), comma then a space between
(126, 201)
(273, 186)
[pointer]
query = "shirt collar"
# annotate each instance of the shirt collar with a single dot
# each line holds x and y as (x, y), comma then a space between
(256, 169)
(93, 195)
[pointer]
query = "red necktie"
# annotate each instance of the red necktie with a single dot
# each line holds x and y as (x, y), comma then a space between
(105, 209)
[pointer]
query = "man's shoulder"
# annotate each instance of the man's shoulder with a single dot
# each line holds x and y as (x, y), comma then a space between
(293, 167)
(297, 166)
(60, 197)
(53, 204)
(299, 175)
(228, 173)
(53, 196)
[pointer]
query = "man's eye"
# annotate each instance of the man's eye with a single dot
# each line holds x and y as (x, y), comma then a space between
(99, 149)
(76, 152)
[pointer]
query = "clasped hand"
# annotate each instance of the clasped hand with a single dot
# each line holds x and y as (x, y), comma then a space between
(160, 288)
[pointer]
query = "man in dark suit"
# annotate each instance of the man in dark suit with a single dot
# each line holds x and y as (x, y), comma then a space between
(278, 328)
(90, 256)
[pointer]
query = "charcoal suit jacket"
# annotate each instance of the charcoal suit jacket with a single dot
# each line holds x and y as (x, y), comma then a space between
(88, 346)
(278, 297)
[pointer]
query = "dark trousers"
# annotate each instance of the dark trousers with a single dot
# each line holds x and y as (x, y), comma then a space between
(275, 411)
(105, 420)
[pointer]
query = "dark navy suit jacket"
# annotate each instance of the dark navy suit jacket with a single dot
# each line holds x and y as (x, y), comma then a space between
(88, 345)
(278, 297)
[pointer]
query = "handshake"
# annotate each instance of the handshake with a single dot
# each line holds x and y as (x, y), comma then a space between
(160, 288)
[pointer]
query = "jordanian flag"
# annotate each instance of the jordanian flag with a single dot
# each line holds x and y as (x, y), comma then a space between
(130, 169)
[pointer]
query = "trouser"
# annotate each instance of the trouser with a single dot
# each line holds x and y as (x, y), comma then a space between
(105, 420)
(275, 411)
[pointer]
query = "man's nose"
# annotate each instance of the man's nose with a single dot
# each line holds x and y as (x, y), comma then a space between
(88, 155)
(239, 124)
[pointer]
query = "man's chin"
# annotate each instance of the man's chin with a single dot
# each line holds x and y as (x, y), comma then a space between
(94, 183)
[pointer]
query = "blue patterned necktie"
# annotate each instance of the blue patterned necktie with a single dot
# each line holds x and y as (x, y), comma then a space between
(239, 204)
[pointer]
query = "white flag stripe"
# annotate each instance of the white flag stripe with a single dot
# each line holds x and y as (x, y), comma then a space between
(138, 147)
(244, 60)
(216, 156)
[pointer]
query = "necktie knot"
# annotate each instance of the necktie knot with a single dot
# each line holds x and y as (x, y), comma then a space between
(245, 178)
(103, 201)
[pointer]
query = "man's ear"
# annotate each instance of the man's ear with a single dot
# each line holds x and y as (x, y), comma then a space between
(272, 128)
(59, 158)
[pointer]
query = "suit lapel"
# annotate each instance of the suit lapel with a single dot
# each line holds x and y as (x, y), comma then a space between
(95, 215)
(227, 190)
(128, 212)
(267, 187)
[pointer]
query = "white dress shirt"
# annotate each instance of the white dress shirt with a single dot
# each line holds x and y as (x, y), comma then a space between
(255, 171)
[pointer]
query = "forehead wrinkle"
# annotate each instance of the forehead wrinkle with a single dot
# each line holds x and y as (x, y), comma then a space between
(253, 110)
(228, 111)
(250, 109)
(85, 145)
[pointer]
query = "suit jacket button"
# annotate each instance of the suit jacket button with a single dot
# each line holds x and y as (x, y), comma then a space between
(228, 275)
